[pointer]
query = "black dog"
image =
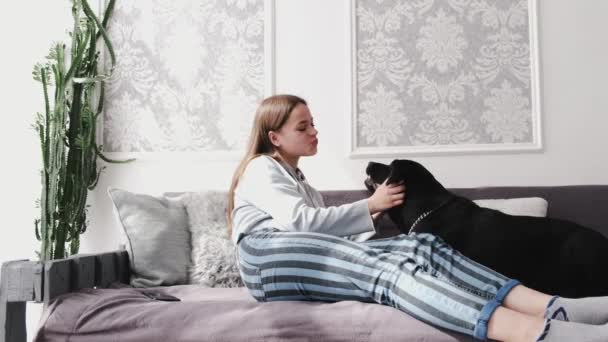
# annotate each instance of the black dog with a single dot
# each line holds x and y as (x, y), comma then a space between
(550, 255)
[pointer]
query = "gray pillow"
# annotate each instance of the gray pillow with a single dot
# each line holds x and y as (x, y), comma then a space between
(213, 259)
(158, 240)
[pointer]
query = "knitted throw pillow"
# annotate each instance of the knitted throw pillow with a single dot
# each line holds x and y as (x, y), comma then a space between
(213, 259)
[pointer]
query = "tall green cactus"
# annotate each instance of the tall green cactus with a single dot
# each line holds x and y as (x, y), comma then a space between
(67, 131)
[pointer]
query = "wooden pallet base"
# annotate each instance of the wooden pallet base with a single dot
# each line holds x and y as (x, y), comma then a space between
(23, 281)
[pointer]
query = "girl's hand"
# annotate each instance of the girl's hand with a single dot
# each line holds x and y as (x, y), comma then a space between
(386, 197)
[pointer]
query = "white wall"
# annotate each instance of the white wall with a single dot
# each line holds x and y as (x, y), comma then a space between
(312, 60)
(27, 29)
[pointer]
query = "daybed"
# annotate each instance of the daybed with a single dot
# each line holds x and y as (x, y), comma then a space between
(91, 297)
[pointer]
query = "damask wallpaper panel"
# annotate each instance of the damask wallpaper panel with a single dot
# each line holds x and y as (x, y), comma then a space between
(189, 76)
(442, 76)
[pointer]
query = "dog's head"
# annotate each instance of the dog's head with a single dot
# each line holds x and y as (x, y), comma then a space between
(376, 174)
(413, 174)
(422, 191)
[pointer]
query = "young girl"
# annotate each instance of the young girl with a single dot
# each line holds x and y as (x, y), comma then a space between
(291, 247)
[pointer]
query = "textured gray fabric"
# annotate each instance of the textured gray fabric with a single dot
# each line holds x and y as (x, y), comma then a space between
(158, 240)
(213, 259)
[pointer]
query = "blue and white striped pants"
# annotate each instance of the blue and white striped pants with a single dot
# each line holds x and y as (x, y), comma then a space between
(419, 274)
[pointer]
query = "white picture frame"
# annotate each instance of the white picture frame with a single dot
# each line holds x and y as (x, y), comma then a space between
(232, 155)
(535, 145)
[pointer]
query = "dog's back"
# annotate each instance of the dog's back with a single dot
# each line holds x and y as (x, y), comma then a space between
(550, 255)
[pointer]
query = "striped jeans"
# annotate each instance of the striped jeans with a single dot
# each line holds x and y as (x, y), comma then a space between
(418, 274)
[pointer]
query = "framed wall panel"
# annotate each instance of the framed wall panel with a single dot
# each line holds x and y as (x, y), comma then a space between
(189, 77)
(444, 76)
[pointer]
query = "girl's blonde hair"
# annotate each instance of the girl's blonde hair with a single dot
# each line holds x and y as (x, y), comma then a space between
(271, 115)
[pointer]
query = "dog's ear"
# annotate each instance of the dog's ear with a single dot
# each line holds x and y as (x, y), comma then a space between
(393, 176)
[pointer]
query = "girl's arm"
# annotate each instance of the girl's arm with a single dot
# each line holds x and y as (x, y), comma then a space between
(271, 189)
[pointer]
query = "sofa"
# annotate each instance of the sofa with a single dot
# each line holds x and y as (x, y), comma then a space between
(176, 245)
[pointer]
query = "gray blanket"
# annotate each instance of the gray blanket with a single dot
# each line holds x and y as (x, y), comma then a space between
(223, 314)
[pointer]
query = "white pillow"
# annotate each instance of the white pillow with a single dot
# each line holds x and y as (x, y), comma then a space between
(527, 206)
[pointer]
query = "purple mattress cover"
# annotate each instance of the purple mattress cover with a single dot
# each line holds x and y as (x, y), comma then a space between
(223, 314)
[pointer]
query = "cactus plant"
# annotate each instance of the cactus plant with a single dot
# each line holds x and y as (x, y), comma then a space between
(67, 131)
